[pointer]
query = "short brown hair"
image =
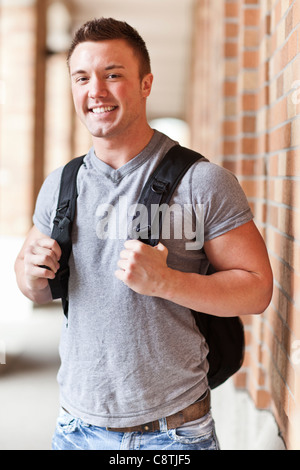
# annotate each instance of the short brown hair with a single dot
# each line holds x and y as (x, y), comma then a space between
(101, 29)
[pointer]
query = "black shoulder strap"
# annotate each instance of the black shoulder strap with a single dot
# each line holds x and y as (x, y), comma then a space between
(159, 189)
(62, 226)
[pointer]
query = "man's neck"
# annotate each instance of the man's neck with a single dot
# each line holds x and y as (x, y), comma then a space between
(115, 152)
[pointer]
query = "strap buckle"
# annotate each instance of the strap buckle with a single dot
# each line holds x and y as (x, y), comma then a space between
(159, 186)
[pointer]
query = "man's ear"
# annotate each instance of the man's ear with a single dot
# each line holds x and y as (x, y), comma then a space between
(147, 84)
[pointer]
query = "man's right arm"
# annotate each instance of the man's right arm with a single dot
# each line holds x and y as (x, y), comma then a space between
(37, 251)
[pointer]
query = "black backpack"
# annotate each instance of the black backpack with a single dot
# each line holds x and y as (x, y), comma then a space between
(224, 335)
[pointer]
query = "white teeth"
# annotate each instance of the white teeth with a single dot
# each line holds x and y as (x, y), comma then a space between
(103, 109)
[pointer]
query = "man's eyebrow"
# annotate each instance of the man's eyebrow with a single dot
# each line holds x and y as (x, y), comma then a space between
(109, 67)
(78, 71)
(114, 66)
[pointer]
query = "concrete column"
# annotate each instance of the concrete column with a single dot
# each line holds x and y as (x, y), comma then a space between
(22, 31)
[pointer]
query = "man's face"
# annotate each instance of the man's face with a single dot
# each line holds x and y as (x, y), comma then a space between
(109, 96)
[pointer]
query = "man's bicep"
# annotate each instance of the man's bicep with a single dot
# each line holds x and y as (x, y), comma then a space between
(241, 248)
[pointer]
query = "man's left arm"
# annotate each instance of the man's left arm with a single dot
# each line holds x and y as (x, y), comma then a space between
(242, 285)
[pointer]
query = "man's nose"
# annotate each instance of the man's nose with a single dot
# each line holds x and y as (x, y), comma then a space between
(97, 88)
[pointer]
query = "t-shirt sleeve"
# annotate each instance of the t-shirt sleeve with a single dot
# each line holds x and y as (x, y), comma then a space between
(223, 200)
(46, 203)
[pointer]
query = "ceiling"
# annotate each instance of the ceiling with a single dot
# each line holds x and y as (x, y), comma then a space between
(166, 26)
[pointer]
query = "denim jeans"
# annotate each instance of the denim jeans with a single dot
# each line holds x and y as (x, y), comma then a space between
(74, 434)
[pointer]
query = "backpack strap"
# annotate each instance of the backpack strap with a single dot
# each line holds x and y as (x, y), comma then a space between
(224, 335)
(159, 189)
(62, 228)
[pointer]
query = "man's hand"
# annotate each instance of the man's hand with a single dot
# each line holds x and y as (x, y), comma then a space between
(41, 262)
(37, 262)
(143, 268)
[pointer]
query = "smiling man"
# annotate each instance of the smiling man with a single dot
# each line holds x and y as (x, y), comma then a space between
(111, 80)
(110, 97)
(133, 369)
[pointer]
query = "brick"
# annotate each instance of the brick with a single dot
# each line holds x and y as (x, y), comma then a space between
(296, 14)
(250, 102)
(231, 30)
(273, 166)
(250, 145)
(277, 113)
(261, 122)
(289, 23)
(231, 68)
(293, 46)
(252, 17)
(230, 128)
(231, 9)
(279, 86)
(230, 88)
(249, 124)
(229, 147)
(293, 163)
(251, 38)
(260, 397)
(251, 59)
(280, 138)
(231, 49)
(240, 379)
(250, 80)
(278, 12)
(295, 133)
(230, 108)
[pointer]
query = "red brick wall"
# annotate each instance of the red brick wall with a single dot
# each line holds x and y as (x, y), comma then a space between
(260, 143)
(204, 114)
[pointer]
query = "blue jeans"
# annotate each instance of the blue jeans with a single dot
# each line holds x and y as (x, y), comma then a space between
(74, 434)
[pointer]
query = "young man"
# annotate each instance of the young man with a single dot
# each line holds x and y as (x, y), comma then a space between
(133, 362)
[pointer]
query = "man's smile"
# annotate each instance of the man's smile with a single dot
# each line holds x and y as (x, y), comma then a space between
(102, 109)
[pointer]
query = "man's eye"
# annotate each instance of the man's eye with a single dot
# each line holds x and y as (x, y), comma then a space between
(113, 75)
(81, 79)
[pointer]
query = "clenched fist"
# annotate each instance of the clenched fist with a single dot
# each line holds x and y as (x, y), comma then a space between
(143, 268)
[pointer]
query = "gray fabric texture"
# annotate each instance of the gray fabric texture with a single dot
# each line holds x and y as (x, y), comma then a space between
(126, 358)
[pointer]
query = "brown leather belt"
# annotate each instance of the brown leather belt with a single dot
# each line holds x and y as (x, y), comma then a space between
(195, 411)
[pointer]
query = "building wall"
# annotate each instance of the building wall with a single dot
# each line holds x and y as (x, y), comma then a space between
(259, 140)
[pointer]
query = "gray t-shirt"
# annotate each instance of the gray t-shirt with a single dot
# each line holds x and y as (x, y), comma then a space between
(127, 358)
